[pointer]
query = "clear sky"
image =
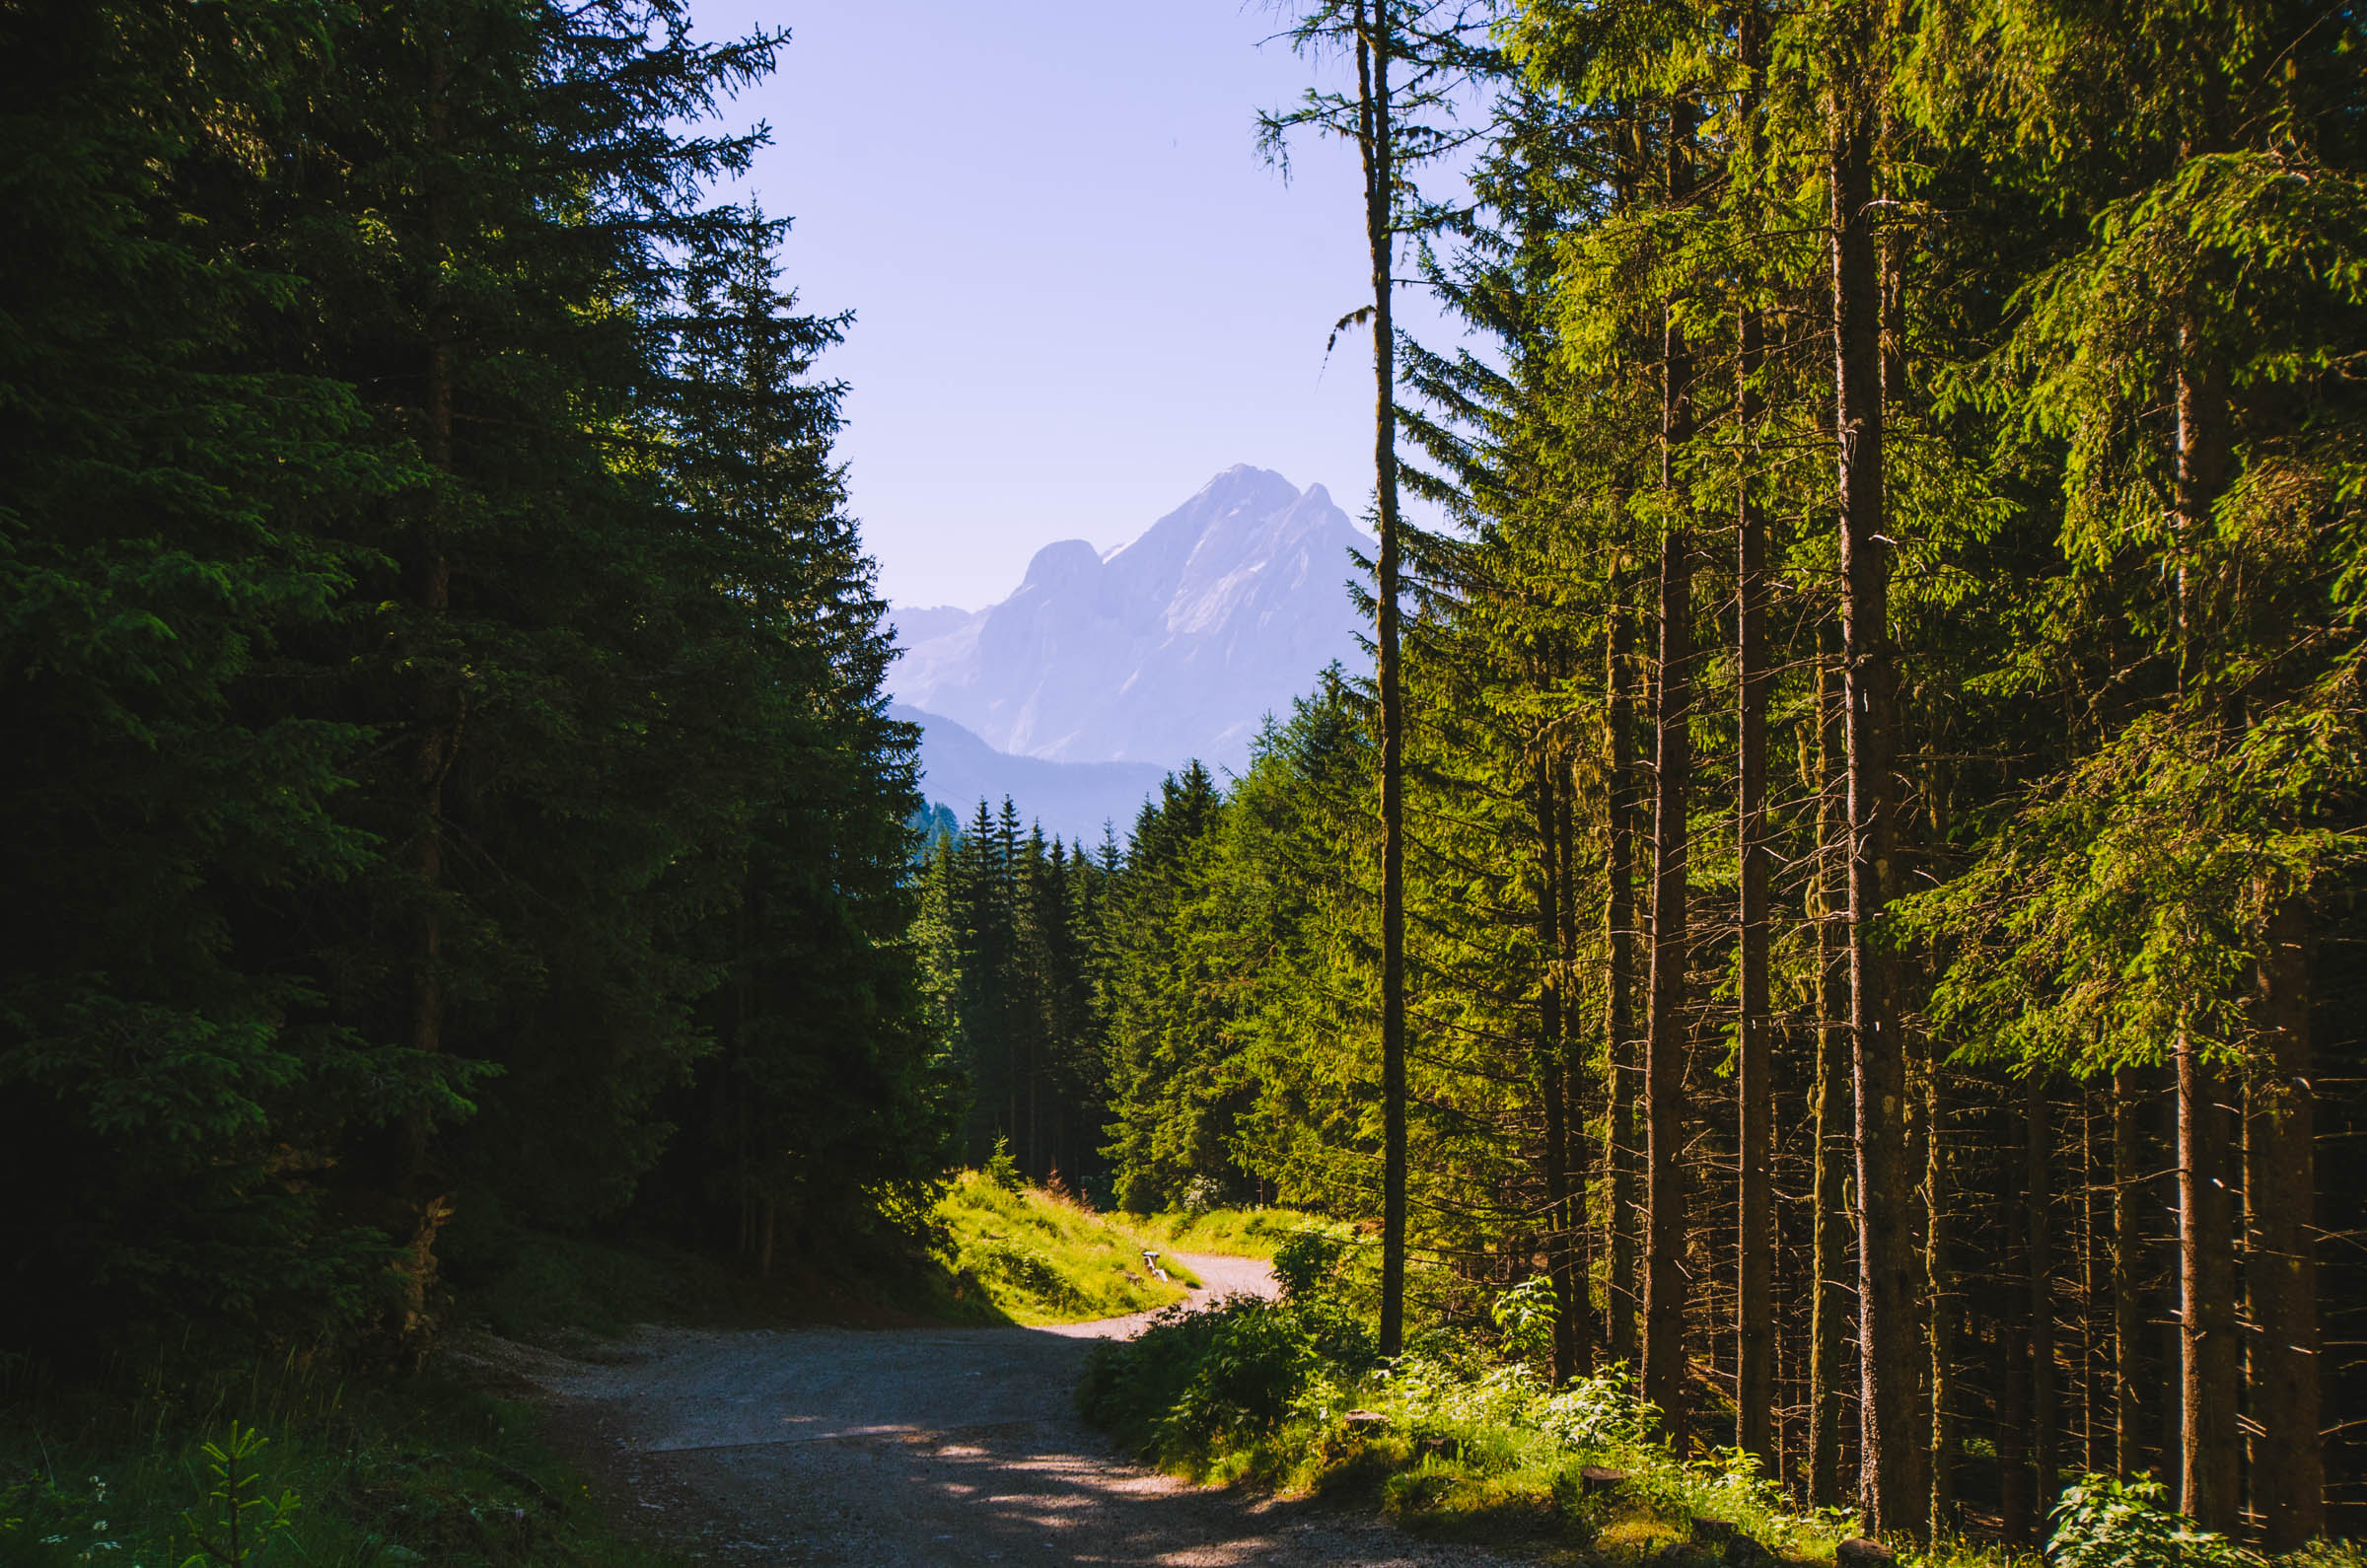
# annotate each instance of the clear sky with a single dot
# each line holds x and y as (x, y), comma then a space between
(1079, 290)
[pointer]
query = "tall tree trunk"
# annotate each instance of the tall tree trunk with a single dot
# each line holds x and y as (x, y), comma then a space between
(2037, 1192)
(1568, 1303)
(1372, 80)
(2210, 1446)
(1585, 1335)
(1623, 1294)
(2209, 1352)
(1755, 1282)
(1939, 1268)
(1755, 1249)
(433, 749)
(1889, 1346)
(2289, 1481)
(1830, 1308)
(2016, 1519)
(2127, 1264)
(2095, 1447)
(1666, 1023)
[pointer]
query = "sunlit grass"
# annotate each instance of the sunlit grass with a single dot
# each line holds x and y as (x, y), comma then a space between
(1038, 1257)
(1231, 1233)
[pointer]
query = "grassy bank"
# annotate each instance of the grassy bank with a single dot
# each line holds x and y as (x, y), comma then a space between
(1464, 1438)
(1234, 1233)
(1025, 1255)
(150, 1472)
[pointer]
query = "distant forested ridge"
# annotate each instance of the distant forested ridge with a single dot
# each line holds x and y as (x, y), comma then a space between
(448, 779)
(1884, 763)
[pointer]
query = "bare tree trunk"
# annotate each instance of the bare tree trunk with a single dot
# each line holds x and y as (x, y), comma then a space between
(1755, 1282)
(1372, 80)
(1667, 1021)
(2128, 1255)
(1830, 1308)
(2016, 1518)
(1755, 1248)
(1586, 1335)
(2209, 1351)
(2208, 1345)
(1568, 1302)
(1889, 1348)
(1623, 1295)
(2289, 1481)
(1939, 1269)
(2037, 1192)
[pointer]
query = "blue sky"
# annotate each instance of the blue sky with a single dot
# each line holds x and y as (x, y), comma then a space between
(1079, 292)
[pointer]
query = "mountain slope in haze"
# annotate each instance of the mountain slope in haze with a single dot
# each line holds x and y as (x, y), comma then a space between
(1072, 800)
(1173, 647)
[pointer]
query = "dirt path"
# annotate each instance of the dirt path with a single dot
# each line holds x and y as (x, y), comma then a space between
(922, 1448)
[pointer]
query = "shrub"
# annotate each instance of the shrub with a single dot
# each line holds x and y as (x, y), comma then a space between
(1002, 1170)
(1604, 1411)
(1195, 1380)
(2103, 1523)
(1525, 1316)
(1307, 1260)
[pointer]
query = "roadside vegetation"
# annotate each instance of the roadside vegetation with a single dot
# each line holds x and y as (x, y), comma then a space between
(285, 1463)
(1036, 1256)
(1464, 1437)
(1229, 1232)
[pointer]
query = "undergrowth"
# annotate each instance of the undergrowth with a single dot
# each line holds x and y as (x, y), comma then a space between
(1027, 1256)
(1233, 1233)
(1464, 1437)
(285, 1464)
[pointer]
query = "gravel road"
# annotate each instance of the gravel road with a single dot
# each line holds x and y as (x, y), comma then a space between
(921, 1447)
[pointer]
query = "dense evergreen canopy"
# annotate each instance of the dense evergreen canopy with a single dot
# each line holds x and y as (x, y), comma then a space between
(1882, 777)
(1845, 876)
(448, 764)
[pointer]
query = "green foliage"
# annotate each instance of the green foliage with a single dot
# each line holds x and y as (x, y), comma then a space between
(2103, 1522)
(158, 1472)
(1009, 928)
(1002, 1170)
(1308, 1260)
(1464, 1447)
(1033, 1256)
(1236, 1233)
(1525, 1316)
(238, 1523)
(1193, 1381)
(454, 767)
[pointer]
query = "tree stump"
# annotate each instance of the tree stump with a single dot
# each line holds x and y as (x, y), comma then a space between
(1598, 1479)
(1859, 1552)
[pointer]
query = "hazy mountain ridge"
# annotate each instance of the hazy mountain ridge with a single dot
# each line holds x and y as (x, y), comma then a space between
(1171, 647)
(1072, 800)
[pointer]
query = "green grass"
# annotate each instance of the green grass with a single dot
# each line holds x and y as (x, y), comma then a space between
(1031, 1256)
(118, 1475)
(1455, 1443)
(1233, 1233)
(1463, 1451)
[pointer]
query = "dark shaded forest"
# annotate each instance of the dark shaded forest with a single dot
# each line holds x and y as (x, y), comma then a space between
(448, 772)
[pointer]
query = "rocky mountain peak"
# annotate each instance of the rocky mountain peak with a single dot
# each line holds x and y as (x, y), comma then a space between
(1172, 646)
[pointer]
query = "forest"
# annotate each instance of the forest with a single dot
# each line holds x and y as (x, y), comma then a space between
(451, 783)
(1838, 895)
(1846, 862)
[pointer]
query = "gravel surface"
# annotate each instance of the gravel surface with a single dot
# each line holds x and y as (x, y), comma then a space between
(888, 1447)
